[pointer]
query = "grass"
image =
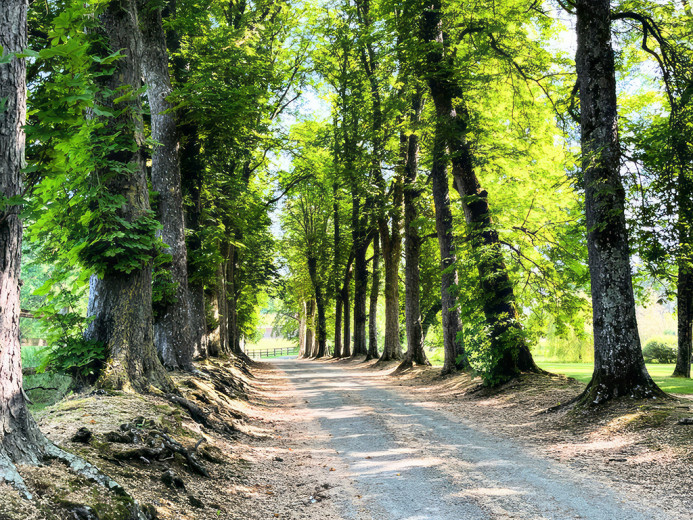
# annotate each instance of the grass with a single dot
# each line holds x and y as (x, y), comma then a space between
(583, 372)
(54, 386)
(660, 373)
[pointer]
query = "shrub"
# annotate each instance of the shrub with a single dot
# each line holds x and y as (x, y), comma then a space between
(660, 350)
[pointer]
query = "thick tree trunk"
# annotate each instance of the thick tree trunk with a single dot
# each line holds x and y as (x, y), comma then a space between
(336, 272)
(321, 332)
(619, 368)
(412, 246)
(120, 304)
(450, 313)
(21, 442)
(172, 327)
(191, 184)
(373, 303)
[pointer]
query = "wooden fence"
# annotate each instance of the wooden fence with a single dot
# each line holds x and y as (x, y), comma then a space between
(273, 352)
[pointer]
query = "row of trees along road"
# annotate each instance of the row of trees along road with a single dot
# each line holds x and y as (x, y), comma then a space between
(144, 146)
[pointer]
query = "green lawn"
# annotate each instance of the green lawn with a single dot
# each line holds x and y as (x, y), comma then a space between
(660, 373)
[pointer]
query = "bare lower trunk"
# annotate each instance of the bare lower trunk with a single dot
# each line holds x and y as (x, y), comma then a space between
(373, 309)
(360, 297)
(619, 368)
(119, 303)
(172, 327)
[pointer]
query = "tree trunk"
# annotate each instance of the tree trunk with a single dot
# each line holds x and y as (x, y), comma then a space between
(684, 307)
(373, 314)
(172, 328)
(223, 307)
(361, 242)
(321, 332)
(392, 249)
(450, 313)
(338, 326)
(213, 340)
(619, 368)
(310, 329)
(412, 246)
(302, 330)
(684, 283)
(21, 442)
(346, 290)
(191, 184)
(119, 303)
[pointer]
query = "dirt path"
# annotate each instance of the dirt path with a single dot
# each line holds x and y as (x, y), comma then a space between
(397, 458)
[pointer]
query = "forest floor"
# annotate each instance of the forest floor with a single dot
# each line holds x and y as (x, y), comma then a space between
(344, 440)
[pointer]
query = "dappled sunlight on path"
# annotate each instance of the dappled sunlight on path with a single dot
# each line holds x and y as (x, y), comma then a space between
(408, 460)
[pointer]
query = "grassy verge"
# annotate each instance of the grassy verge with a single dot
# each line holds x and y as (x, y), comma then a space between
(660, 373)
(583, 372)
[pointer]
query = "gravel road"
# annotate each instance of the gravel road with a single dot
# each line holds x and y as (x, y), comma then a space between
(408, 460)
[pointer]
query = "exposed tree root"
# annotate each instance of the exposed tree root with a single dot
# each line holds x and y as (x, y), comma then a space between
(158, 445)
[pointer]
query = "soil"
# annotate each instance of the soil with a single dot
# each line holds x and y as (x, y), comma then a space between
(339, 439)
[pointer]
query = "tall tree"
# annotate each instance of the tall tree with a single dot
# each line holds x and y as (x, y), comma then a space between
(508, 343)
(619, 368)
(173, 325)
(21, 442)
(120, 298)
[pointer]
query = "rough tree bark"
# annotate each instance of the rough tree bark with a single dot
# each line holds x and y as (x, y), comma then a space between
(619, 368)
(119, 303)
(191, 183)
(172, 327)
(412, 245)
(373, 303)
